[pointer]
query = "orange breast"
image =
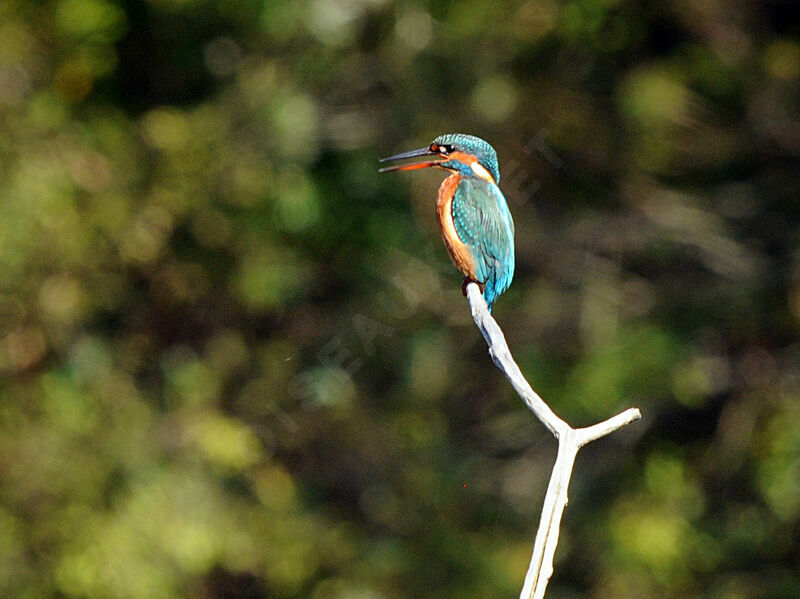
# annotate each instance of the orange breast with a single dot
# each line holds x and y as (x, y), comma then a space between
(459, 252)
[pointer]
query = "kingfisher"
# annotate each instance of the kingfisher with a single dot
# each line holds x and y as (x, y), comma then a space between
(473, 216)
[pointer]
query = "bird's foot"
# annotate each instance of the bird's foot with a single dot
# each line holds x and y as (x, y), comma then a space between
(467, 281)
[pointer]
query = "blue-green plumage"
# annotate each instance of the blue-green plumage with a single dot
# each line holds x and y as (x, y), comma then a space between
(473, 215)
(484, 224)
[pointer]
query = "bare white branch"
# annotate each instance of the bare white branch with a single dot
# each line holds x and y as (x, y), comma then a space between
(570, 440)
(501, 355)
(596, 431)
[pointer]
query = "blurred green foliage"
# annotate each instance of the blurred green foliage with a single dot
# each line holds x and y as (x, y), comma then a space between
(236, 363)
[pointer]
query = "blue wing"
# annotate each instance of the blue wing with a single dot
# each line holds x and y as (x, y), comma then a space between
(484, 224)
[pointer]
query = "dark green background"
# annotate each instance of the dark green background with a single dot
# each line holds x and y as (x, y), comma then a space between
(236, 362)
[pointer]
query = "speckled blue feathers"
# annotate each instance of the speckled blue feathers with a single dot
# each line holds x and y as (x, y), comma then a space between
(483, 222)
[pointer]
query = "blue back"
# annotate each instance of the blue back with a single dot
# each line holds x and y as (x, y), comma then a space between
(483, 222)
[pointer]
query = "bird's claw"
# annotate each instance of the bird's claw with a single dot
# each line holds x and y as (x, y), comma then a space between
(467, 281)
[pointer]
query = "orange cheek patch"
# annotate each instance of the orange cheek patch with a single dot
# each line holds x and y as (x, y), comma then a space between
(462, 157)
(477, 167)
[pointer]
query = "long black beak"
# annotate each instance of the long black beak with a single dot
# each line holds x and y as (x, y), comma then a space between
(413, 165)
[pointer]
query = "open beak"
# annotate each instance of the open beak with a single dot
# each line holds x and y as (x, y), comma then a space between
(414, 165)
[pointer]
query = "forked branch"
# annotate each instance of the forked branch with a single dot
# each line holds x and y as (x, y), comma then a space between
(570, 440)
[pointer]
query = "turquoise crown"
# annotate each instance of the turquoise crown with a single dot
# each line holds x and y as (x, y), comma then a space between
(470, 144)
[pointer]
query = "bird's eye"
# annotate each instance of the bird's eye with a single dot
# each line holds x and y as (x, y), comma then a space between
(442, 149)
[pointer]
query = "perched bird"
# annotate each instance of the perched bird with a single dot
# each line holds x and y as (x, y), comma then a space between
(473, 216)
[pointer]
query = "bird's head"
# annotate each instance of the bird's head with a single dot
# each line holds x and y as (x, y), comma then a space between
(467, 154)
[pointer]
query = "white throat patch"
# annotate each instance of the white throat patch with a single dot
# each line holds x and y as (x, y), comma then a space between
(480, 171)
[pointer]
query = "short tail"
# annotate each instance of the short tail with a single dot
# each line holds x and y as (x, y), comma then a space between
(495, 286)
(490, 294)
